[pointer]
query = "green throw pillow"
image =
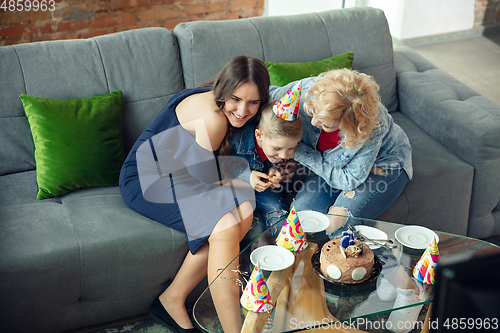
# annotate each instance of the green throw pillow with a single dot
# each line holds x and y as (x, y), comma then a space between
(78, 142)
(282, 73)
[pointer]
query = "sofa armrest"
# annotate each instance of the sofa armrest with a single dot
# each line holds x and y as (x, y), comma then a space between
(463, 121)
(445, 108)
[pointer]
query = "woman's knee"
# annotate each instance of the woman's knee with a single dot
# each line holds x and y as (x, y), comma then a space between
(226, 225)
(244, 211)
(224, 234)
(236, 223)
(344, 212)
(339, 214)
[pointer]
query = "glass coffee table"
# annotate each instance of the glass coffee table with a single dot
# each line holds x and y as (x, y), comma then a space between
(304, 300)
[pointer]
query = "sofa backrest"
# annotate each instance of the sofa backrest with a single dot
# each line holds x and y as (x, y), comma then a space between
(205, 46)
(143, 63)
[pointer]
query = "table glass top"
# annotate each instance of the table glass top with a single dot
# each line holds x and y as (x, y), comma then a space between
(304, 300)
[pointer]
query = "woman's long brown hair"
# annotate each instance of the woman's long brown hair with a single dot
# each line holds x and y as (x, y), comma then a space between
(238, 71)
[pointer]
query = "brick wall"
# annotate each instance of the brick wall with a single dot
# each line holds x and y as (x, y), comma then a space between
(66, 19)
(486, 12)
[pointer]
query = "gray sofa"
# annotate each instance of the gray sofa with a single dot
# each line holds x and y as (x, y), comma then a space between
(85, 258)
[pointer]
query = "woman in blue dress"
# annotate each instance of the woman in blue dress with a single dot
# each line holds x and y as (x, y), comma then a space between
(174, 175)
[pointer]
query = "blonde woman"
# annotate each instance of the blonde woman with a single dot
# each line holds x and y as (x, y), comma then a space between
(360, 159)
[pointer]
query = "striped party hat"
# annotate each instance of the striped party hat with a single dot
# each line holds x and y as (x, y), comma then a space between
(287, 107)
(256, 296)
(292, 237)
(425, 268)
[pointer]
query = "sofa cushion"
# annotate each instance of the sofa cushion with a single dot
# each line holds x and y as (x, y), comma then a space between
(282, 73)
(20, 188)
(40, 268)
(143, 63)
(118, 244)
(365, 31)
(438, 195)
(75, 260)
(78, 142)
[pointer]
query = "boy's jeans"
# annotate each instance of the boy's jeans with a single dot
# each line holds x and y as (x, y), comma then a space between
(272, 206)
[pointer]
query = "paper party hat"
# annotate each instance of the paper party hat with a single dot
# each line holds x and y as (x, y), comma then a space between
(425, 268)
(256, 296)
(287, 107)
(291, 236)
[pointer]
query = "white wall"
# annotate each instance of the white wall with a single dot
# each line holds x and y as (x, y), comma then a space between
(393, 10)
(419, 18)
(425, 18)
(407, 18)
(292, 7)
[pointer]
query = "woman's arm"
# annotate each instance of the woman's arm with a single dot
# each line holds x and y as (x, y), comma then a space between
(210, 130)
(197, 115)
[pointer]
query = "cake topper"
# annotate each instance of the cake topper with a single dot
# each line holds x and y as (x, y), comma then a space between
(348, 247)
(347, 239)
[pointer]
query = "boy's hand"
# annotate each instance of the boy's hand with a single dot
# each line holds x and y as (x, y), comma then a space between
(274, 177)
(259, 181)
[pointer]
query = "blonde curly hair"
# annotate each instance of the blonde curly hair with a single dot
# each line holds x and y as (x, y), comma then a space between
(349, 98)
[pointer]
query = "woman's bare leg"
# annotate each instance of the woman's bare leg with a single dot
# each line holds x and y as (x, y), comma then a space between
(194, 268)
(402, 280)
(224, 247)
(192, 271)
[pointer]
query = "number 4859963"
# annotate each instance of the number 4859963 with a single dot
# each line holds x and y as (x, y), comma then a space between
(471, 323)
(27, 5)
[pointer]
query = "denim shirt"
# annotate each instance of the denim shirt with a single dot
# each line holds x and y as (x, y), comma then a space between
(243, 145)
(342, 168)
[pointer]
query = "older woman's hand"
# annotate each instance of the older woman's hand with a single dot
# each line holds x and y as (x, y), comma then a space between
(274, 177)
(287, 169)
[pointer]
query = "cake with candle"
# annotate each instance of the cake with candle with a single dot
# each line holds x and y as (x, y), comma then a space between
(346, 260)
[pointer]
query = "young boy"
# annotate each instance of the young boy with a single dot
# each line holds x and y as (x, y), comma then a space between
(265, 143)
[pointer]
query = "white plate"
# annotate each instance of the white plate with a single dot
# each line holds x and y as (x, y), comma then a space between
(415, 237)
(312, 221)
(272, 257)
(372, 233)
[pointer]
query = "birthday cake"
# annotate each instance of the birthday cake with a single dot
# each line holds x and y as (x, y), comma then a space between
(346, 260)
